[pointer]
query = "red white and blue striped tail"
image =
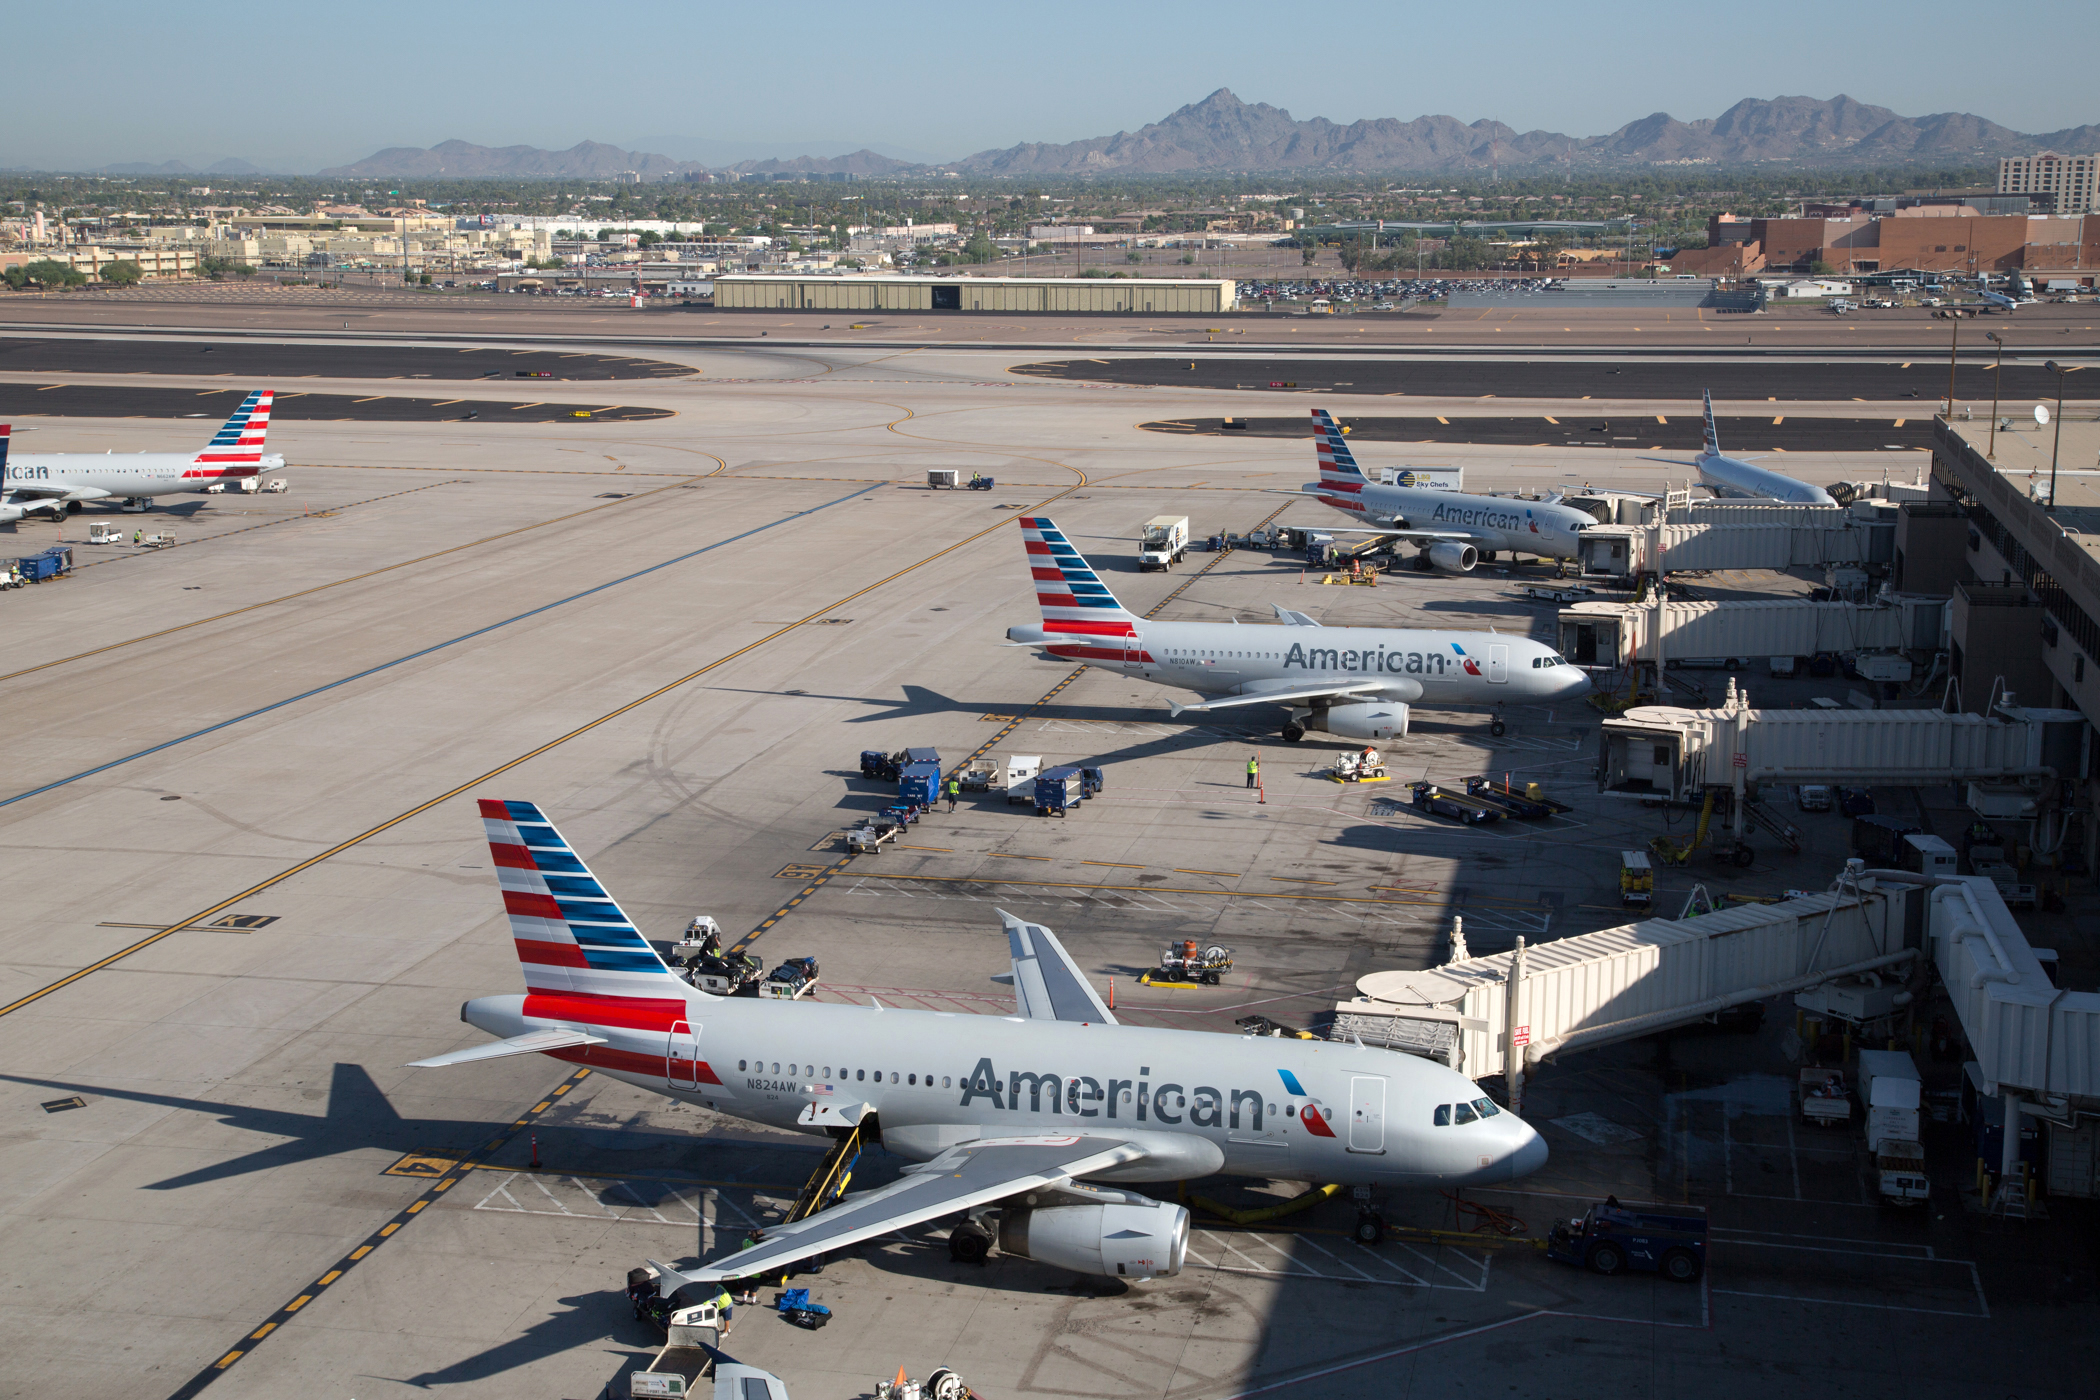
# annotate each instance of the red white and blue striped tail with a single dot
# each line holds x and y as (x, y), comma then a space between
(1338, 469)
(585, 962)
(1073, 597)
(240, 441)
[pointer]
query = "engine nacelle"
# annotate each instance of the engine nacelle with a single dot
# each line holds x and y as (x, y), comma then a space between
(1451, 557)
(1375, 719)
(1136, 1239)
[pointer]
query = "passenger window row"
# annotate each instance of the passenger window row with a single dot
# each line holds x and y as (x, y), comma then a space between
(858, 1075)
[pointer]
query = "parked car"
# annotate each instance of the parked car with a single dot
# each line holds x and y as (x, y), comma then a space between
(1812, 797)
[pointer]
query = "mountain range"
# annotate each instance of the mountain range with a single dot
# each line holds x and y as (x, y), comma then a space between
(1221, 135)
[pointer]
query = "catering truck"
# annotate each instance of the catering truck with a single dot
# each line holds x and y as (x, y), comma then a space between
(1163, 542)
(1889, 1089)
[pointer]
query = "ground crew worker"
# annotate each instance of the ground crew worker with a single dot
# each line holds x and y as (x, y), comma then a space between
(954, 791)
(136, 536)
(724, 1307)
(1253, 770)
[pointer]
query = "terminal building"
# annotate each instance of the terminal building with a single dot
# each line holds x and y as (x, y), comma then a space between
(1192, 296)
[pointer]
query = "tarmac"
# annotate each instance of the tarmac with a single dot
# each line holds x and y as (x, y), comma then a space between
(250, 887)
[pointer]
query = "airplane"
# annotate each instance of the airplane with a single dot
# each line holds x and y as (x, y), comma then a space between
(56, 483)
(1735, 477)
(1350, 682)
(1455, 530)
(1041, 1115)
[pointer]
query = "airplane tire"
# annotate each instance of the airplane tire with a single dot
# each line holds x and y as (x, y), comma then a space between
(1497, 728)
(1370, 1228)
(1744, 855)
(969, 1244)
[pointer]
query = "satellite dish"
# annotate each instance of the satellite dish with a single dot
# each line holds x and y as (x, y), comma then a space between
(2041, 414)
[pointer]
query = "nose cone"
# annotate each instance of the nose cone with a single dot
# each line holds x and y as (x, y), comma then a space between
(1529, 1154)
(1574, 682)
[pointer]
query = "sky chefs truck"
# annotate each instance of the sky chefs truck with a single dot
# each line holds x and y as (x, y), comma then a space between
(1164, 541)
(1889, 1088)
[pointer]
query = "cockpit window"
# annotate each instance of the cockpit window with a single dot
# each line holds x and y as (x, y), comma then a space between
(1443, 1115)
(1485, 1108)
(1463, 1113)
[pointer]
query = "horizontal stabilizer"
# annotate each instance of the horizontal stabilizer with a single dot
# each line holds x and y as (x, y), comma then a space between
(530, 1043)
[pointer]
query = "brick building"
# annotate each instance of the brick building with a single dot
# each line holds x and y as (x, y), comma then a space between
(1926, 238)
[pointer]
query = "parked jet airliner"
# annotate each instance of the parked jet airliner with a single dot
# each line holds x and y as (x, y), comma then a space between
(56, 483)
(1351, 682)
(1733, 476)
(1019, 1112)
(1454, 530)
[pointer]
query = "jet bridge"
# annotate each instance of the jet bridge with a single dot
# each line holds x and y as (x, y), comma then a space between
(1759, 536)
(2036, 1046)
(1602, 633)
(1664, 751)
(1621, 983)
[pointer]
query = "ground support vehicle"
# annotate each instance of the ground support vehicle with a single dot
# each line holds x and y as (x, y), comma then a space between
(1058, 791)
(1610, 1239)
(1565, 593)
(919, 783)
(943, 478)
(1442, 802)
(1093, 780)
(878, 766)
(53, 562)
(977, 777)
(688, 1357)
(868, 838)
(1824, 1101)
(1359, 766)
(1187, 963)
(707, 965)
(1020, 777)
(790, 980)
(1530, 803)
(1899, 1170)
(1163, 542)
(1636, 879)
(979, 482)
(902, 814)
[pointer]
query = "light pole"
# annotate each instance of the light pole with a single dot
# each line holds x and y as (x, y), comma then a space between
(2059, 371)
(1996, 370)
(1953, 344)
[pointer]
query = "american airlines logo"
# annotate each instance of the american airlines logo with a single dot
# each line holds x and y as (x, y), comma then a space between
(1391, 663)
(1487, 516)
(29, 473)
(1138, 1099)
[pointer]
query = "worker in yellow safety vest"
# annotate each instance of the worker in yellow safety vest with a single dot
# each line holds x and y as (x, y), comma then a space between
(1253, 770)
(954, 791)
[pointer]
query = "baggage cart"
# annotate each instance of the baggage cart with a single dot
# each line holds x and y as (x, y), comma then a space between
(1528, 802)
(943, 478)
(1057, 791)
(1442, 802)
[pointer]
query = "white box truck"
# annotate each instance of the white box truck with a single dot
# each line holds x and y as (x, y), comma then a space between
(1163, 542)
(1020, 777)
(1890, 1089)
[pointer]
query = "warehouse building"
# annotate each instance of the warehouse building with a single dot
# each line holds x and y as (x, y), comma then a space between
(1193, 296)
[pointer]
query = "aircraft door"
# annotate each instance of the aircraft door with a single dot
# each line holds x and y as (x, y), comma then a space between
(1498, 663)
(682, 1057)
(1367, 1113)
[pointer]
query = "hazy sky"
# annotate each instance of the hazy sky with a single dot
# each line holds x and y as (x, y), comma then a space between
(299, 87)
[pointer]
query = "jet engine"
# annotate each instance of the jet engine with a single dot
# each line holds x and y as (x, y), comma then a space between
(1375, 719)
(1133, 1238)
(1451, 557)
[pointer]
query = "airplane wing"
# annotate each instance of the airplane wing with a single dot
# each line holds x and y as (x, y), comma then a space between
(1049, 986)
(46, 489)
(1291, 619)
(965, 1176)
(1400, 532)
(530, 1043)
(1278, 697)
(1673, 461)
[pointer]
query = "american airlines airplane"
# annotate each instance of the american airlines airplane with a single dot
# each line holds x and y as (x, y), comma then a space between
(1350, 682)
(1456, 531)
(1039, 1115)
(1735, 477)
(56, 483)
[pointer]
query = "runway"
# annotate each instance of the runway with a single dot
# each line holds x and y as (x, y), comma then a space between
(58, 355)
(152, 401)
(1797, 381)
(1645, 431)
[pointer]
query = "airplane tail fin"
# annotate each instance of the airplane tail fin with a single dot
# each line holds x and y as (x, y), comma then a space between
(1072, 596)
(237, 448)
(1338, 469)
(6, 432)
(584, 960)
(1713, 434)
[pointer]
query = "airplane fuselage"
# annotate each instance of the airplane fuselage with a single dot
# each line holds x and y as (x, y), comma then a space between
(1248, 1106)
(1731, 477)
(1435, 667)
(82, 476)
(1541, 528)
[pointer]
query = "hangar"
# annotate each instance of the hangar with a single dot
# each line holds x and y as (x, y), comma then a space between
(798, 292)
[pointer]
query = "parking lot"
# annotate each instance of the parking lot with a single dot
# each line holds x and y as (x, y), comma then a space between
(676, 636)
